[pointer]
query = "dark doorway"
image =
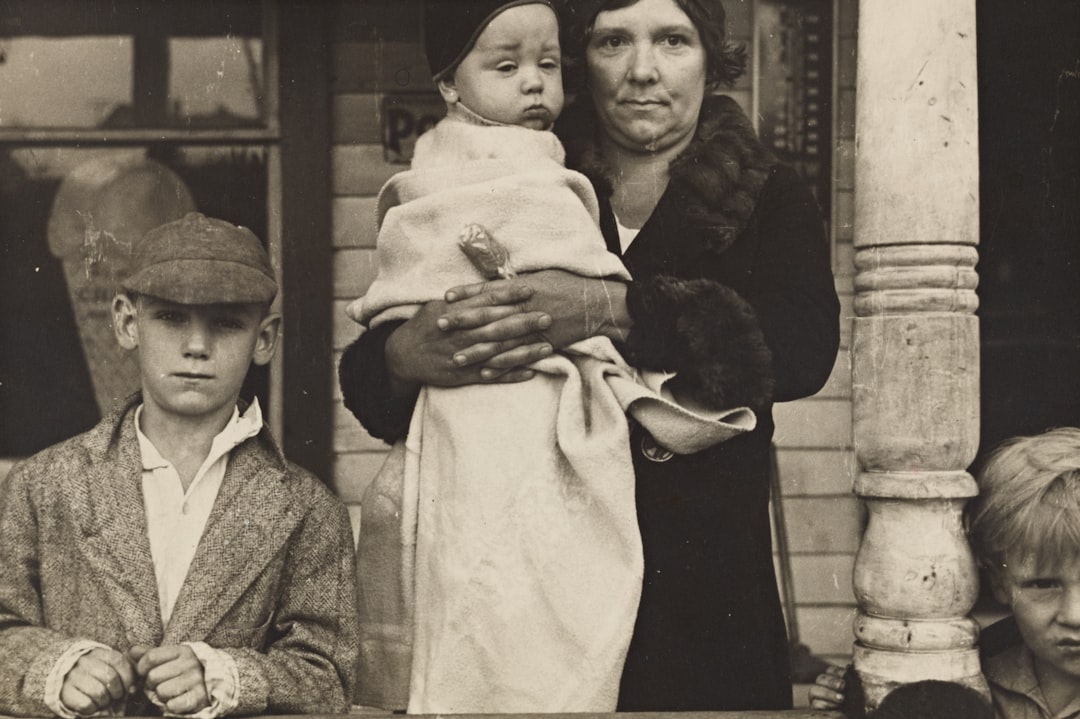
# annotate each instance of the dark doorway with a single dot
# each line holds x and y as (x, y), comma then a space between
(1029, 138)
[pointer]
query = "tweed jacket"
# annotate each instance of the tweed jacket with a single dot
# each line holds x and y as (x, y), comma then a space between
(272, 582)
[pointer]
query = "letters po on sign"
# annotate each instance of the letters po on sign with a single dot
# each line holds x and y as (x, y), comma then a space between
(405, 117)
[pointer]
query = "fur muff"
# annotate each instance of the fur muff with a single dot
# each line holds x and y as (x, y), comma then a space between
(706, 333)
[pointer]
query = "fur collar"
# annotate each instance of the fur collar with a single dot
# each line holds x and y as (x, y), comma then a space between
(719, 175)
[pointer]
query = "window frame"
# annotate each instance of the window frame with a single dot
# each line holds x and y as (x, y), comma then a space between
(296, 139)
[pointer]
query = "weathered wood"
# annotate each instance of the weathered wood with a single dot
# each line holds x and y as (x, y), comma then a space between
(915, 344)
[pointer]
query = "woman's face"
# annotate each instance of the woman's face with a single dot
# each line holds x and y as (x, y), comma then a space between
(646, 70)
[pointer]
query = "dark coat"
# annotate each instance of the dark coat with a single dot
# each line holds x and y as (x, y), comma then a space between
(733, 289)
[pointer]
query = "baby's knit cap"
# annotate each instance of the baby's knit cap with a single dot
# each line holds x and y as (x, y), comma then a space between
(452, 26)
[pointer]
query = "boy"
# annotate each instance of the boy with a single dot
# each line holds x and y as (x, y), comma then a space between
(1025, 531)
(515, 501)
(171, 555)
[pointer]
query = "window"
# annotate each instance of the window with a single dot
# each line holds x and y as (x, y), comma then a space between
(117, 116)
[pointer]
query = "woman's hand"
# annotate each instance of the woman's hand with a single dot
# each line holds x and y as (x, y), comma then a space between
(485, 337)
(827, 691)
(576, 308)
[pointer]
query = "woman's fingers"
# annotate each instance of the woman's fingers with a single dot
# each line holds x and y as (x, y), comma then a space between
(519, 356)
(501, 319)
(495, 292)
(503, 354)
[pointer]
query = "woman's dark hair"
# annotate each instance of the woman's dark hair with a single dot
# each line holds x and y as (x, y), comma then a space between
(725, 62)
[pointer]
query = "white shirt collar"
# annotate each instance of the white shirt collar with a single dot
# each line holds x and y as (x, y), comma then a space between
(239, 428)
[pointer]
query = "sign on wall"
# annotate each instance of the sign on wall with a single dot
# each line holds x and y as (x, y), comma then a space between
(406, 116)
(795, 40)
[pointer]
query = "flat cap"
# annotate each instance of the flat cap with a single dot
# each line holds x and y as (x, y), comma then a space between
(199, 260)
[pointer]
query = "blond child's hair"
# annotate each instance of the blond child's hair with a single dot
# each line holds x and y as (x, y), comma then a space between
(1029, 502)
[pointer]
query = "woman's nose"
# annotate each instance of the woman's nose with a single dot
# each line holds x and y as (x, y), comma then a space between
(643, 67)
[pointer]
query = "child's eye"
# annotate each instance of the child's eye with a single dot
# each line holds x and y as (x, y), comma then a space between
(169, 316)
(1040, 587)
(229, 323)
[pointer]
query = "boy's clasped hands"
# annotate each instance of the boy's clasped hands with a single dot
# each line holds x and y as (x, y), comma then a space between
(104, 678)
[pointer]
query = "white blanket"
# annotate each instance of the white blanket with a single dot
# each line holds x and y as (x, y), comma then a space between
(519, 561)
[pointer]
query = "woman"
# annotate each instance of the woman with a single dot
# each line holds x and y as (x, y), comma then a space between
(732, 289)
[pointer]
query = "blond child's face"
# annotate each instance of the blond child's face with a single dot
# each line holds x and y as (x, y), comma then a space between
(513, 73)
(1046, 605)
(193, 358)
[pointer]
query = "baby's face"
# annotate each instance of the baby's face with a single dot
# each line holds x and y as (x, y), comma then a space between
(1045, 599)
(513, 74)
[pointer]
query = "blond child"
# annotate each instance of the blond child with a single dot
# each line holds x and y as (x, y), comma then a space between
(1024, 529)
(1025, 532)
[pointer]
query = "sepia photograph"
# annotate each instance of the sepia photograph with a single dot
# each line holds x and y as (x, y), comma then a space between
(540, 357)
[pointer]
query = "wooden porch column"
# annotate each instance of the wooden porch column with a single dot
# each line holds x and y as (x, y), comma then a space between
(915, 364)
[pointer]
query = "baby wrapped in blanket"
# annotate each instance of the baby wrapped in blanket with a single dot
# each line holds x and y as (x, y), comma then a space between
(519, 497)
(499, 558)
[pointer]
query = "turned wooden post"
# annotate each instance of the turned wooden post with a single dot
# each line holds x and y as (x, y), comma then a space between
(915, 356)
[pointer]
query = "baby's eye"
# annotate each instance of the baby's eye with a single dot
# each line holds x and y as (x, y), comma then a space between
(506, 67)
(549, 64)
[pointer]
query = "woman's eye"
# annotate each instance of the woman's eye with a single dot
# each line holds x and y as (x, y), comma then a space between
(674, 41)
(610, 42)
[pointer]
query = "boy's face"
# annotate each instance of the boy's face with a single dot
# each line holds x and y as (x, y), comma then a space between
(193, 358)
(1046, 605)
(513, 75)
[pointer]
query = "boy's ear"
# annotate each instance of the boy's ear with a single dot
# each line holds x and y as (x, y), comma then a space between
(267, 341)
(448, 90)
(125, 321)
